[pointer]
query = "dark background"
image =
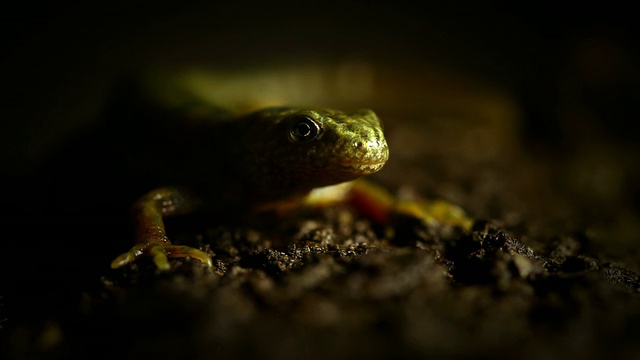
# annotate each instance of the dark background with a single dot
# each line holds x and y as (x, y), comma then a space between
(57, 60)
(571, 68)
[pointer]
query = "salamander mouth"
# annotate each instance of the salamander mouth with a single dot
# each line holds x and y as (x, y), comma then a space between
(363, 168)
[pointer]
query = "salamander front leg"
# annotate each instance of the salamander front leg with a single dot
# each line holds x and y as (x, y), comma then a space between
(379, 205)
(151, 239)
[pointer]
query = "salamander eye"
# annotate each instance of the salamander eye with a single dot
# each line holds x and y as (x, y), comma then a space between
(304, 128)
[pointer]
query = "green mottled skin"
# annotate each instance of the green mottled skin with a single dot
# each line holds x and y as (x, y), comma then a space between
(275, 167)
(243, 165)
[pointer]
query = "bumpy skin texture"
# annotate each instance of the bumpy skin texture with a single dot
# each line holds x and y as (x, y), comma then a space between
(243, 165)
(340, 147)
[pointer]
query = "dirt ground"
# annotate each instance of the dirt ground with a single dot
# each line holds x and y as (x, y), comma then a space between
(330, 283)
(550, 268)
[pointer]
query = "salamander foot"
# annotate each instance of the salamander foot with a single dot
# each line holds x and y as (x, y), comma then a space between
(160, 254)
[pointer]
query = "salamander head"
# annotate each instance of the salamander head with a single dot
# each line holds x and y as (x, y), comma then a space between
(308, 148)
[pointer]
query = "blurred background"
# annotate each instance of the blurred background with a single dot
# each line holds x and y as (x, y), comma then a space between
(521, 113)
(516, 112)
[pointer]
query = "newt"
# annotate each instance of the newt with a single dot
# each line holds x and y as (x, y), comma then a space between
(237, 165)
(197, 146)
